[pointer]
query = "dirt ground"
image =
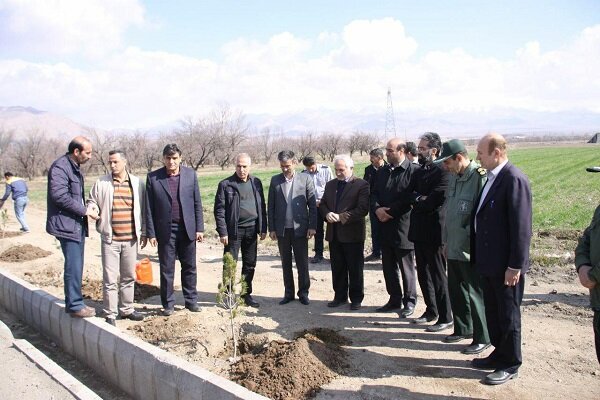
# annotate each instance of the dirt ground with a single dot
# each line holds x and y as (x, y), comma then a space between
(289, 351)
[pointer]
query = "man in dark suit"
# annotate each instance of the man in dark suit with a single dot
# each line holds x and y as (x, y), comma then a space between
(377, 163)
(428, 194)
(397, 254)
(501, 235)
(174, 222)
(292, 218)
(344, 205)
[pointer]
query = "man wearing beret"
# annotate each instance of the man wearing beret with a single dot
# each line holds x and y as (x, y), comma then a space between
(464, 284)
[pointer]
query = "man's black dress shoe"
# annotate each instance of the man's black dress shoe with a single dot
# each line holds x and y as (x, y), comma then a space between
(304, 300)
(388, 307)
(111, 321)
(475, 348)
(440, 326)
(407, 312)
(424, 318)
(355, 306)
(285, 300)
(499, 377)
(456, 338)
(336, 303)
(134, 316)
(316, 259)
(250, 302)
(372, 257)
(167, 312)
(488, 362)
(193, 307)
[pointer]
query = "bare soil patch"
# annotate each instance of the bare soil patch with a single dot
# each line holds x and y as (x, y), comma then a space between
(9, 234)
(24, 252)
(293, 370)
(387, 358)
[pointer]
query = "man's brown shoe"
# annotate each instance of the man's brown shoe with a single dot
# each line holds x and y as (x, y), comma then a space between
(85, 312)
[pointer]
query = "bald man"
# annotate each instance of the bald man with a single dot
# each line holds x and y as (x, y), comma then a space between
(500, 239)
(67, 219)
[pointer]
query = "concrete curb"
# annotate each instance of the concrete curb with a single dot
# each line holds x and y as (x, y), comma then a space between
(76, 388)
(141, 370)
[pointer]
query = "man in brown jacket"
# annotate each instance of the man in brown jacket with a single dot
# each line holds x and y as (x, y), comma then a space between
(344, 205)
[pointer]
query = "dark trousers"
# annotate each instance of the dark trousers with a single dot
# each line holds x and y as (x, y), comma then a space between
(246, 241)
(319, 235)
(597, 333)
(178, 246)
(299, 245)
(375, 234)
(503, 315)
(347, 263)
(73, 272)
(396, 262)
(466, 299)
(431, 271)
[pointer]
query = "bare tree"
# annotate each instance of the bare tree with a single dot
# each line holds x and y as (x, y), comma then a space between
(330, 144)
(102, 143)
(231, 130)
(362, 142)
(267, 143)
(6, 140)
(198, 139)
(306, 144)
(29, 153)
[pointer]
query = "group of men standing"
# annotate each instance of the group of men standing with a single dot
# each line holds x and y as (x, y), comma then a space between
(460, 229)
(468, 231)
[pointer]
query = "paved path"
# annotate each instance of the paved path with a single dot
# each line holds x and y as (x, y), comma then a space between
(26, 373)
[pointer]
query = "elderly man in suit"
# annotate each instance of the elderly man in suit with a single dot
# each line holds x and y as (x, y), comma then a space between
(344, 205)
(501, 235)
(292, 219)
(174, 222)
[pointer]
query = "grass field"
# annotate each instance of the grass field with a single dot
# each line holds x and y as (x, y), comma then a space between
(564, 195)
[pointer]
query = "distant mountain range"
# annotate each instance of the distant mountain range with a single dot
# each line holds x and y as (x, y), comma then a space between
(408, 125)
(23, 119)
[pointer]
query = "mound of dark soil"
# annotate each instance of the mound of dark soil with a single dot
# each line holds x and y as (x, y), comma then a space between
(25, 252)
(293, 370)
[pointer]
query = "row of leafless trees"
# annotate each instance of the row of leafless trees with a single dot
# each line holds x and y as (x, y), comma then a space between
(213, 139)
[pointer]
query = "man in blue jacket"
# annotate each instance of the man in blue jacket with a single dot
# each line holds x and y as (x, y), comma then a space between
(241, 216)
(67, 219)
(18, 188)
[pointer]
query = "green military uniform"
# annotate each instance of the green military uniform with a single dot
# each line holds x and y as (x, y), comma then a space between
(466, 295)
(588, 253)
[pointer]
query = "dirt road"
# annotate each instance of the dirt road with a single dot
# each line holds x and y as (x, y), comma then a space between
(386, 357)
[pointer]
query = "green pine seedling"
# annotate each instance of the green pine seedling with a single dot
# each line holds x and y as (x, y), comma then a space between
(230, 295)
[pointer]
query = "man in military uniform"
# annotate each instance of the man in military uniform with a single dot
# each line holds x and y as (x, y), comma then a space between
(320, 174)
(464, 285)
(587, 260)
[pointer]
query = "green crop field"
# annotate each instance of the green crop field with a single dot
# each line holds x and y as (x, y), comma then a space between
(564, 195)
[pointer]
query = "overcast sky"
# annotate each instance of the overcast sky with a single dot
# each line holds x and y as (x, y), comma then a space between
(138, 64)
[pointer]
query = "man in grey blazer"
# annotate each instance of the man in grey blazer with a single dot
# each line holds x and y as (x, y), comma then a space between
(292, 217)
(174, 222)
